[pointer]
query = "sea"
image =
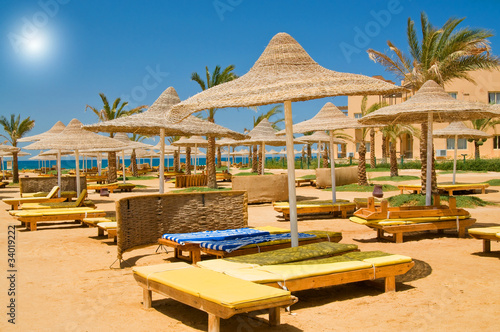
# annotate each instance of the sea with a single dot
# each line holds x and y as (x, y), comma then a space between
(89, 163)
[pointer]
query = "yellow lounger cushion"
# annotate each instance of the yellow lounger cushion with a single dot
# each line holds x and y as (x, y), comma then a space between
(51, 212)
(222, 265)
(145, 271)
(484, 230)
(498, 235)
(95, 221)
(47, 211)
(219, 288)
(285, 272)
(388, 260)
(108, 225)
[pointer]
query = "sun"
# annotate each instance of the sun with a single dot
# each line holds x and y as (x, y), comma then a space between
(35, 46)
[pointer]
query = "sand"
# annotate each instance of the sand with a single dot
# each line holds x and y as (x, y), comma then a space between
(65, 283)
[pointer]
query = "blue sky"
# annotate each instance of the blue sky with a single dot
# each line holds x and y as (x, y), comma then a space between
(136, 49)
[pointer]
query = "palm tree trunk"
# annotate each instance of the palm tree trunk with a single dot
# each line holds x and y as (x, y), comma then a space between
(325, 157)
(477, 154)
(249, 155)
(15, 168)
(394, 159)
(219, 157)
(188, 160)
(133, 163)
(211, 177)
(112, 177)
(176, 161)
(384, 147)
(259, 169)
(372, 149)
(423, 159)
(255, 165)
(309, 152)
(362, 180)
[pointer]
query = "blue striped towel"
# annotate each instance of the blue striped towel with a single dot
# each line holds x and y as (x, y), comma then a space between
(218, 235)
(234, 244)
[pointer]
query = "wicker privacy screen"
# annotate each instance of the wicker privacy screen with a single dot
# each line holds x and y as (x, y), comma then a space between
(142, 220)
(39, 184)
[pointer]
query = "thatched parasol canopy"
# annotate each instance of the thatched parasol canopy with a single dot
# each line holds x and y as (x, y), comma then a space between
(430, 104)
(460, 130)
(193, 141)
(431, 97)
(73, 137)
(56, 129)
(319, 136)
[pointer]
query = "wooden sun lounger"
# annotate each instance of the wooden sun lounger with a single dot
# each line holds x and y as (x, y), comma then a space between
(194, 250)
(450, 188)
(103, 225)
(388, 272)
(98, 187)
(407, 219)
(343, 208)
(193, 292)
(487, 234)
(310, 182)
(31, 218)
(398, 231)
(49, 198)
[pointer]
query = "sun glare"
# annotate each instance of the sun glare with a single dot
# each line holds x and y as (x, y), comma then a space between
(35, 46)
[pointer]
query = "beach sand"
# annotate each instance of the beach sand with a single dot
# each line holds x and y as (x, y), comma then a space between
(65, 283)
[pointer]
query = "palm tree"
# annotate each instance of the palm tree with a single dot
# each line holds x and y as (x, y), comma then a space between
(15, 129)
(217, 77)
(108, 112)
(393, 132)
(362, 178)
(483, 125)
(441, 55)
(275, 110)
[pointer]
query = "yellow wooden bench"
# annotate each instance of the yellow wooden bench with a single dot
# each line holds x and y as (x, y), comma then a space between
(449, 188)
(217, 294)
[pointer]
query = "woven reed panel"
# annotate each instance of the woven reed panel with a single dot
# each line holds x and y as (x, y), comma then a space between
(142, 220)
(38, 184)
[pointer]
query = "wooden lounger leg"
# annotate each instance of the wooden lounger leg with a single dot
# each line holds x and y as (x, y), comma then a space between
(195, 256)
(213, 323)
(344, 214)
(274, 316)
(486, 245)
(461, 231)
(32, 225)
(100, 232)
(146, 298)
(390, 284)
(398, 237)
(380, 233)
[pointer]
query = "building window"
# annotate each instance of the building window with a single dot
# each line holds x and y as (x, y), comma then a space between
(453, 94)
(496, 142)
(367, 145)
(494, 97)
(358, 115)
(461, 143)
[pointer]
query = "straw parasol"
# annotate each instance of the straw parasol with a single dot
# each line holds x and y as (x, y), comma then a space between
(154, 122)
(458, 130)
(328, 118)
(430, 103)
(263, 133)
(56, 129)
(73, 137)
(193, 141)
(282, 74)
